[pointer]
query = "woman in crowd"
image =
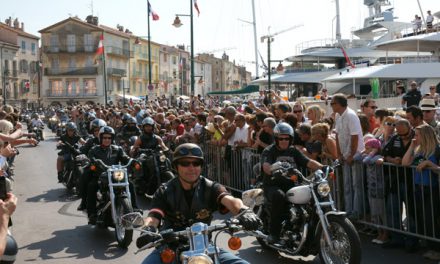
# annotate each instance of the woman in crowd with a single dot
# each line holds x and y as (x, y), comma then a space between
(379, 116)
(315, 114)
(320, 133)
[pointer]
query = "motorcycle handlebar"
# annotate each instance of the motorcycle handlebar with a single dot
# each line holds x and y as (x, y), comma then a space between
(105, 166)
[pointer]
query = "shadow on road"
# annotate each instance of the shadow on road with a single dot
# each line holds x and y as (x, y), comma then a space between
(95, 242)
(54, 195)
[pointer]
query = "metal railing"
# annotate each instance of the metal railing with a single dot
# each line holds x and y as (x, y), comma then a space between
(388, 197)
(71, 94)
(71, 71)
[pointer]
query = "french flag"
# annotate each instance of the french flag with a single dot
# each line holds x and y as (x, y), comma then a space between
(197, 7)
(154, 15)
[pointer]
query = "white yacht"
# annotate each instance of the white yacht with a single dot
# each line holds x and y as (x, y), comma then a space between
(319, 63)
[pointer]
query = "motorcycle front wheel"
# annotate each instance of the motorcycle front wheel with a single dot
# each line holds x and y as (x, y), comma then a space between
(123, 236)
(345, 241)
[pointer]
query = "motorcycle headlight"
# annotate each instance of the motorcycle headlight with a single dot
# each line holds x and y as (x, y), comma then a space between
(203, 259)
(323, 189)
(118, 175)
(162, 158)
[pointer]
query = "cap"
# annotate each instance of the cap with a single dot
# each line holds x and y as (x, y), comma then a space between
(427, 104)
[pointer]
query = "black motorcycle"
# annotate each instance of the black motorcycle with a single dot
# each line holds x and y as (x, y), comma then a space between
(61, 128)
(114, 198)
(312, 224)
(37, 131)
(73, 166)
(156, 169)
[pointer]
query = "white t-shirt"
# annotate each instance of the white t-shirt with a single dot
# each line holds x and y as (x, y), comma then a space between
(241, 134)
(348, 124)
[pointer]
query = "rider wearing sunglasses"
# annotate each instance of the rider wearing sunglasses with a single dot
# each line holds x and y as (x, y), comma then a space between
(275, 187)
(191, 198)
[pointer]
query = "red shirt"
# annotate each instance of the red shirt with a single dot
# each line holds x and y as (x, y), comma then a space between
(180, 129)
(373, 124)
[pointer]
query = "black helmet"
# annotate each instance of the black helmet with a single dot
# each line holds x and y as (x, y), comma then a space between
(34, 115)
(133, 139)
(131, 120)
(125, 117)
(97, 123)
(148, 121)
(106, 130)
(11, 250)
(71, 126)
(283, 129)
(187, 150)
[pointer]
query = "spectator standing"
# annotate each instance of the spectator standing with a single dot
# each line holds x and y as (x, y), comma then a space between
(428, 108)
(417, 24)
(413, 96)
(314, 114)
(320, 133)
(429, 21)
(368, 108)
(298, 110)
(414, 115)
(433, 94)
(265, 137)
(349, 142)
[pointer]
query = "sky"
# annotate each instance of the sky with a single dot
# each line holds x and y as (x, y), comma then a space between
(218, 27)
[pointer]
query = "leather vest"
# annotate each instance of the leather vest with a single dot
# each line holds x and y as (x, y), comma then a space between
(110, 156)
(149, 142)
(182, 215)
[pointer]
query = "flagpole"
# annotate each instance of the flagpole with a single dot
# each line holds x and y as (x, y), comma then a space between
(192, 48)
(149, 50)
(105, 73)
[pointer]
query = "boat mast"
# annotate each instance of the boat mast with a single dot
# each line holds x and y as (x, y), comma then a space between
(338, 23)
(254, 24)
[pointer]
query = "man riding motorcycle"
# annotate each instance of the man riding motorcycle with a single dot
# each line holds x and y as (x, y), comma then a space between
(110, 154)
(72, 138)
(275, 186)
(128, 130)
(36, 122)
(148, 140)
(191, 198)
(95, 126)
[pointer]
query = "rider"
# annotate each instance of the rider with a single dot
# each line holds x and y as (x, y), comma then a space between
(129, 130)
(148, 139)
(275, 187)
(37, 122)
(71, 137)
(95, 126)
(110, 154)
(191, 198)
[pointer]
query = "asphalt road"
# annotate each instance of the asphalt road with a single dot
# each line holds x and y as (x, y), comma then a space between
(49, 229)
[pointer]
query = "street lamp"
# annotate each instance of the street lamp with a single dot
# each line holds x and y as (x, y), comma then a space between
(177, 23)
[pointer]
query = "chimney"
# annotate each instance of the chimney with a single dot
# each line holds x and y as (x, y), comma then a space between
(16, 24)
(89, 19)
(22, 26)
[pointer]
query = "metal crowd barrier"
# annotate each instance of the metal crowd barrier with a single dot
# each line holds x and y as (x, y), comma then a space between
(383, 196)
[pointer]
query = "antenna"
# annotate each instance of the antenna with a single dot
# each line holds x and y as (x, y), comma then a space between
(91, 6)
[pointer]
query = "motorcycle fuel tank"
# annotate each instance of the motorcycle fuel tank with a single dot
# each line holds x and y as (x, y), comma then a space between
(299, 194)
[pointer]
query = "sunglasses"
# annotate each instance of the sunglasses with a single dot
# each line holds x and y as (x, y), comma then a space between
(283, 139)
(194, 151)
(373, 107)
(297, 111)
(390, 124)
(188, 163)
(427, 111)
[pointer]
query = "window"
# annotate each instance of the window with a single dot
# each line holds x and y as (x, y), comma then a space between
(89, 61)
(72, 87)
(24, 66)
(23, 46)
(33, 48)
(55, 65)
(88, 43)
(90, 87)
(72, 63)
(174, 60)
(56, 87)
(54, 43)
(71, 43)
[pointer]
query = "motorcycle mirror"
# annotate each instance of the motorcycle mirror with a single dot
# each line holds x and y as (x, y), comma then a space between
(132, 220)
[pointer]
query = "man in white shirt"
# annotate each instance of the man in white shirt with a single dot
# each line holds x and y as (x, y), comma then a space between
(429, 21)
(241, 131)
(349, 142)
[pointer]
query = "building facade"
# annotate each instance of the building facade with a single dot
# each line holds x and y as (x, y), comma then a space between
(20, 65)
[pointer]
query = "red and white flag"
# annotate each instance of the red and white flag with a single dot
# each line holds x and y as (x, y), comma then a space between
(100, 50)
(181, 64)
(153, 14)
(197, 7)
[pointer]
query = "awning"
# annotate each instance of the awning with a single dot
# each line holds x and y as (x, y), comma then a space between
(128, 97)
(245, 90)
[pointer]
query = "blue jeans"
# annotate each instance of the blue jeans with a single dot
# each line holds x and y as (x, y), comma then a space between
(224, 256)
(353, 186)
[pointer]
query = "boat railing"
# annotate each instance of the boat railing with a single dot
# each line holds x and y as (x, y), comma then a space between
(316, 44)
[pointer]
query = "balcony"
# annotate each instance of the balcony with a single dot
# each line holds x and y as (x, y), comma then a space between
(70, 94)
(71, 71)
(69, 49)
(110, 50)
(116, 72)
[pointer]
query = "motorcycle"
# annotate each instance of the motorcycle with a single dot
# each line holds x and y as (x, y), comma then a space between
(61, 128)
(191, 245)
(38, 131)
(73, 167)
(156, 169)
(114, 198)
(312, 224)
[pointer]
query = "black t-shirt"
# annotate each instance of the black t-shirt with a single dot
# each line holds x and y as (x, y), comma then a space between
(266, 138)
(272, 154)
(412, 97)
